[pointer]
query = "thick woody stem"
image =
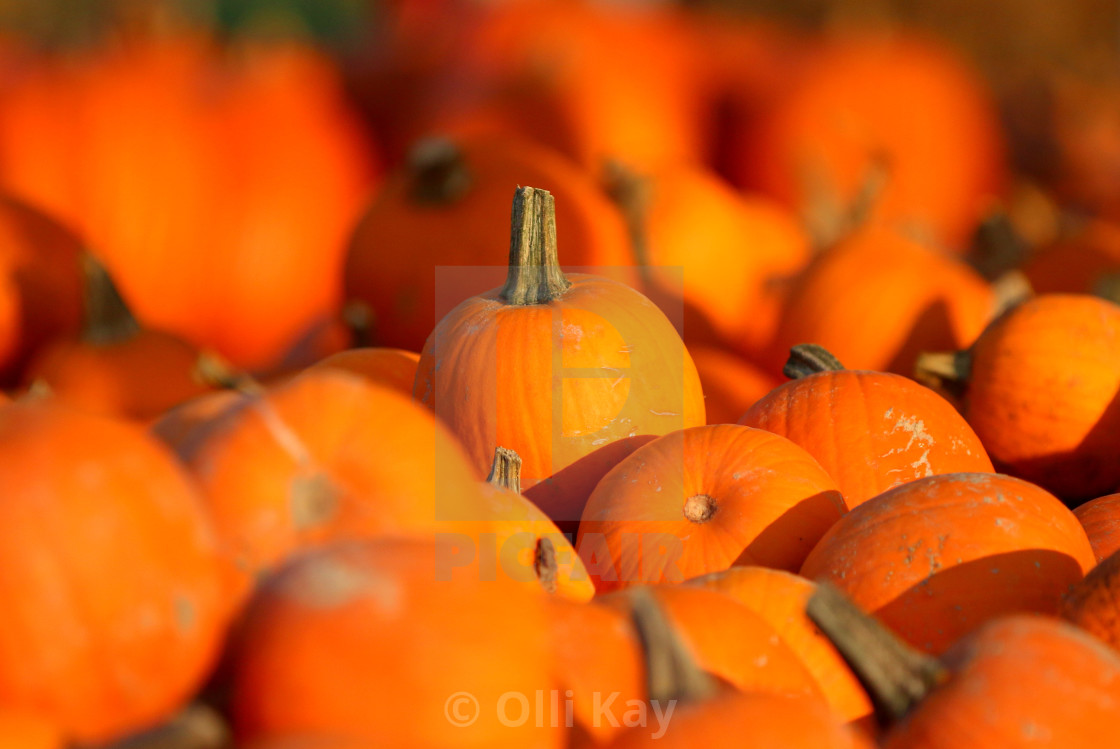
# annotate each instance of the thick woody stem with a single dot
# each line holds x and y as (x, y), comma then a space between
(947, 371)
(534, 266)
(505, 471)
(671, 672)
(808, 358)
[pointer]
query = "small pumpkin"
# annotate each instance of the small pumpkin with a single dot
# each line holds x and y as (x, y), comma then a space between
(1040, 390)
(1100, 518)
(571, 372)
(937, 557)
(870, 430)
(693, 501)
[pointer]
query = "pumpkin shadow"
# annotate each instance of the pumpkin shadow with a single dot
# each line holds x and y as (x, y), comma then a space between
(951, 602)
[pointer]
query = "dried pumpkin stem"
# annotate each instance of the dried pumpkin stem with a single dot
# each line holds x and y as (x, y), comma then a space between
(896, 676)
(505, 471)
(438, 173)
(196, 727)
(947, 371)
(107, 318)
(671, 672)
(997, 246)
(808, 358)
(214, 371)
(545, 566)
(631, 193)
(534, 266)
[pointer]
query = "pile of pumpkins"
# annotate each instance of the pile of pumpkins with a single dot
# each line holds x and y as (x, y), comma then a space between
(575, 435)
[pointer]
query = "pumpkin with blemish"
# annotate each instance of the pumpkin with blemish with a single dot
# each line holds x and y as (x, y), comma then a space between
(571, 372)
(1100, 518)
(937, 557)
(308, 462)
(870, 430)
(394, 368)
(114, 584)
(1041, 387)
(400, 610)
(693, 501)
(779, 597)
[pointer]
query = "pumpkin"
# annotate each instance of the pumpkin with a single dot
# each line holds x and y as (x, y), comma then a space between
(429, 238)
(779, 597)
(1040, 389)
(176, 164)
(113, 577)
(937, 557)
(309, 462)
(1092, 603)
(117, 369)
(1099, 519)
(1079, 264)
(985, 691)
(895, 108)
(717, 261)
(391, 607)
(693, 501)
(731, 383)
(877, 299)
(40, 284)
(394, 368)
(870, 430)
(572, 373)
(23, 730)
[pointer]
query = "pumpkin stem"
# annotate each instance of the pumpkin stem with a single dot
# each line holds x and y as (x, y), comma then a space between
(534, 266)
(1108, 287)
(438, 174)
(107, 318)
(699, 508)
(214, 371)
(631, 193)
(544, 564)
(505, 471)
(808, 358)
(947, 371)
(359, 319)
(997, 246)
(896, 676)
(196, 727)
(671, 672)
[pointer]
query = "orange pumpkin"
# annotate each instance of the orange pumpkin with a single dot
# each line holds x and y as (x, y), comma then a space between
(113, 583)
(780, 597)
(870, 430)
(1092, 603)
(22, 730)
(896, 104)
(1080, 264)
(394, 368)
(429, 239)
(1040, 389)
(449, 649)
(693, 501)
(573, 373)
(1100, 518)
(176, 164)
(40, 285)
(323, 457)
(731, 383)
(937, 557)
(877, 299)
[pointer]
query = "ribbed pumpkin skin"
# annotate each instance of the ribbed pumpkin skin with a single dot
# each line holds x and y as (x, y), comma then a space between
(572, 386)
(870, 430)
(937, 557)
(878, 299)
(332, 618)
(1100, 518)
(996, 700)
(766, 497)
(780, 597)
(763, 720)
(727, 640)
(115, 607)
(1042, 394)
(1094, 603)
(394, 368)
(310, 462)
(403, 256)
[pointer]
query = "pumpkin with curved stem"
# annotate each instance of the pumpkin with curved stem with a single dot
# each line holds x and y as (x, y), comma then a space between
(877, 299)
(334, 616)
(693, 501)
(870, 430)
(449, 207)
(1041, 387)
(395, 368)
(573, 373)
(114, 583)
(1100, 518)
(780, 597)
(984, 692)
(937, 557)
